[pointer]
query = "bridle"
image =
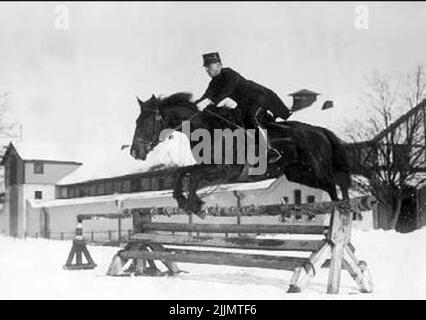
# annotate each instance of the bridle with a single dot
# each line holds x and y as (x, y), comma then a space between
(151, 143)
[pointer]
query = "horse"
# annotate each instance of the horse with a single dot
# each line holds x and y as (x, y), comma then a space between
(312, 155)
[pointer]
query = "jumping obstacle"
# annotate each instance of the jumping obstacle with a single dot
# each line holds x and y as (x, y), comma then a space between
(79, 249)
(151, 243)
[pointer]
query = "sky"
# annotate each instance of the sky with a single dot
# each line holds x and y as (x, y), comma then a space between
(77, 87)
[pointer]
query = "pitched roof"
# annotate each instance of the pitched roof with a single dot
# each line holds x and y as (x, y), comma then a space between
(46, 151)
(304, 92)
(110, 161)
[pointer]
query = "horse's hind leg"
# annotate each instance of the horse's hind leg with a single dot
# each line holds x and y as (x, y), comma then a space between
(343, 180)
(332, 192)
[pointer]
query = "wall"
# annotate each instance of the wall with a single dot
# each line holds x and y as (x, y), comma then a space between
(3, 224)
(63, 218)
(13, 210)
(421, 201)
(53, 172)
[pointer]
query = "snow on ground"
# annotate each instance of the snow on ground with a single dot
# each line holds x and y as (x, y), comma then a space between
(32, 269)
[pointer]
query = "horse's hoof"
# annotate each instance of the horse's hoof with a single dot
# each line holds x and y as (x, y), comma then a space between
(195, 206)
(202, 214)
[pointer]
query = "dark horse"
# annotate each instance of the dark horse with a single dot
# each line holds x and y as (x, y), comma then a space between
(312, 156)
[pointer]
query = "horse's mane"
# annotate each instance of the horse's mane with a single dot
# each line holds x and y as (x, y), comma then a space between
(183, 99)
(180, 99)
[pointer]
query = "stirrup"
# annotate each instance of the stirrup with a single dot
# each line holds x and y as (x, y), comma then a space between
(277, 155)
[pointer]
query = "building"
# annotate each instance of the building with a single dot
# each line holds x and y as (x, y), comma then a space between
(304, 98)
(28, 178)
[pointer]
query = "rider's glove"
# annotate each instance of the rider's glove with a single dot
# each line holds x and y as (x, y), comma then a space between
(227, 102)
(204, 103)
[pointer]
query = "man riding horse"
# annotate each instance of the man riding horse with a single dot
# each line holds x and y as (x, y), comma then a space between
(248, 95)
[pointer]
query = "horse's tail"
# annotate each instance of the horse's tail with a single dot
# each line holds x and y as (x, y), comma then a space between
(340, 154)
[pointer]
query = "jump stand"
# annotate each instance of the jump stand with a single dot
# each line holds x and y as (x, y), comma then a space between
(334, 251)
(79, 249)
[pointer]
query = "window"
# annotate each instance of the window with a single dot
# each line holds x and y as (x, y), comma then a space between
(117, 187)
(38, 195)
(297, 196)
(310, 199)
(101, 188)
(284, 200)
(64, 192)
(83, 191)
(125, 186)
(71, 192)
(160, 184)
(135, 185)
(145, 184)
(92, 190)
(168, 183)
(154, 184)
(38, 168)
(109, 188)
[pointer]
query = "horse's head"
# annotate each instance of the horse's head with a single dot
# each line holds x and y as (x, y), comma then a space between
(149, 125)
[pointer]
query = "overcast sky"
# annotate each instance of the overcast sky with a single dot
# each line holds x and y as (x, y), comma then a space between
(78, 86)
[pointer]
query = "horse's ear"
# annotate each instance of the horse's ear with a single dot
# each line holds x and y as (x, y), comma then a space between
(153, 97)
(141, 103)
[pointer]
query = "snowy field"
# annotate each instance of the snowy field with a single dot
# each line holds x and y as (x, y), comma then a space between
(32, 269)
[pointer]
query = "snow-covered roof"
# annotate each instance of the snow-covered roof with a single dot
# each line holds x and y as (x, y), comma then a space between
(304, 92)
(45, 151)
(111, 161)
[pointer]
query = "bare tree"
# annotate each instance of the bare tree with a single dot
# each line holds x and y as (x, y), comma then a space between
(389, 143)
(8, 131)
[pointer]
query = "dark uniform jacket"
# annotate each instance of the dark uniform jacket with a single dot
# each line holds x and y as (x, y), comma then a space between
(249, 95)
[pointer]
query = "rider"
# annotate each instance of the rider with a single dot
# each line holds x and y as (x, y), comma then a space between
(227, 83)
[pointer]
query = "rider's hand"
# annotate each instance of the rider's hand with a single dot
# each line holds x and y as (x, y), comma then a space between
(203, 104)
(228, 102)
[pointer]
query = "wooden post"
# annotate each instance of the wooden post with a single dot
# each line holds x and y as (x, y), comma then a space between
(339, 237)
(190, 221)
(92, 236)
(119, 229)
(239, 195)
(109, 235)
(302, 274)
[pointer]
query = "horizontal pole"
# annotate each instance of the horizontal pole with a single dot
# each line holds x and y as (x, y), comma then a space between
(233, 228)
(364, 203)
(219, 258)
(88, 216)
(230, 242)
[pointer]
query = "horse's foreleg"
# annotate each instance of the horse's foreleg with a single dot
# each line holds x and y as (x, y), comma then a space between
(194, 203)
(178, 189)
(213, 175)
